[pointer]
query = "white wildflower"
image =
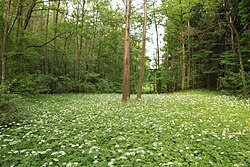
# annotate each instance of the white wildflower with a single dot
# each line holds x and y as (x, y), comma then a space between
(95, 162)
(123, 158)
(56, 160)
(69, 164)
(58, 153)
(170, 164)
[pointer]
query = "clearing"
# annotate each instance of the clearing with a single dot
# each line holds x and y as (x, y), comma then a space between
(193, 128)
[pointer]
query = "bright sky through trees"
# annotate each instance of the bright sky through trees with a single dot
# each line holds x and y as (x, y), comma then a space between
(151, 33)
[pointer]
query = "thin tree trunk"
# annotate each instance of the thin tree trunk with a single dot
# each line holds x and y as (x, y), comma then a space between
(158, 80)
(77, 51)
(5, 43)
(46, 59)
(54, 58)
(183, 59)
(76, 43)
(157, 44)
(81, 43)
(232, 33)
(63, 64)
(92, 44)
(189, 57)
(19, 21)
(242, 70)
(19, 36)
(29, 14)
(41, 51)
(143, 52)
(126, 61)
(232, 26)
(79, 59)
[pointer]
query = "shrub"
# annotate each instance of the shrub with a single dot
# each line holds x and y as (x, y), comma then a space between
(9, 106)
(39, 83)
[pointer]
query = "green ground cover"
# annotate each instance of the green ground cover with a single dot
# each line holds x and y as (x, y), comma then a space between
(193, 128)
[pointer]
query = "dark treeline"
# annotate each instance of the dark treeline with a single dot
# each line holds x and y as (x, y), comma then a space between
(78, 45)
(207, 45)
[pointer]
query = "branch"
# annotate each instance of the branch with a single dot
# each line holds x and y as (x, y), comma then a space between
(39, 46)
(245, 27)
(28, 15)
(13, 23)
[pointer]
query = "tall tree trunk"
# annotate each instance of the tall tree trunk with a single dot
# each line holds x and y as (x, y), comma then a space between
(157, 44)
(46, 58)
(158, 80)
(54, 58)
(183, 61)
(19, 21)
(81, 43)
(232, 32)
(143, 52)
(92, 44)
(5, 42)
(189, 57)
(63, 58)
(64, 64)
(242, 70)
(41, 51)
(79, 58)
(126, 61)
(29, 14)
(20, 36)
(232, 26)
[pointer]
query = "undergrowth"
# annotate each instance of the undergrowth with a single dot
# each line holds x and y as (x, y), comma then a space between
(193, 128)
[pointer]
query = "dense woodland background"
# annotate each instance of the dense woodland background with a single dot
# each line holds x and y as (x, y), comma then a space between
(77, 46)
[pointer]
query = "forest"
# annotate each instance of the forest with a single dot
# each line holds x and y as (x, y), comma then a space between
(70, 46)
(125, 83)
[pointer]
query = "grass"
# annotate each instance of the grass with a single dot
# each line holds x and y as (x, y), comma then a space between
(193, 128)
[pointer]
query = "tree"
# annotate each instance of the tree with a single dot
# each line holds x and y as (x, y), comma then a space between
(140, 83)
(54, 57)
(126, 60)
(235, 31)
(5, 42)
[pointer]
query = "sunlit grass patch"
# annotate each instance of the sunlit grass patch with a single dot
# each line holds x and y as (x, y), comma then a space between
(197, 128)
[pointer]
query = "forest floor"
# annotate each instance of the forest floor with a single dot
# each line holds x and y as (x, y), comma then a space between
(193, 128)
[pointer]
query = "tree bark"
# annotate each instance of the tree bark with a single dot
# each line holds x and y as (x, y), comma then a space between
(81, 42)
(54, 58)
(5, 42)
(232, 26)
(183, 56)
(232, 32)
(158, 80)
(41, 51)
(140, 83)
(126, 61)
(189, 57)
(183, 61)
(46, 59)
(29, 14)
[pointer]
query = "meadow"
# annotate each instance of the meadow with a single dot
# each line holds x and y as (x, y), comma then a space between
(193, 128)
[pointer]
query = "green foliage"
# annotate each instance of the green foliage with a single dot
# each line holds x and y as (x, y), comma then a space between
(211, 57)
(82, 50)
(38, 83)
(10, 107)
(32, 84)
(193, 128)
